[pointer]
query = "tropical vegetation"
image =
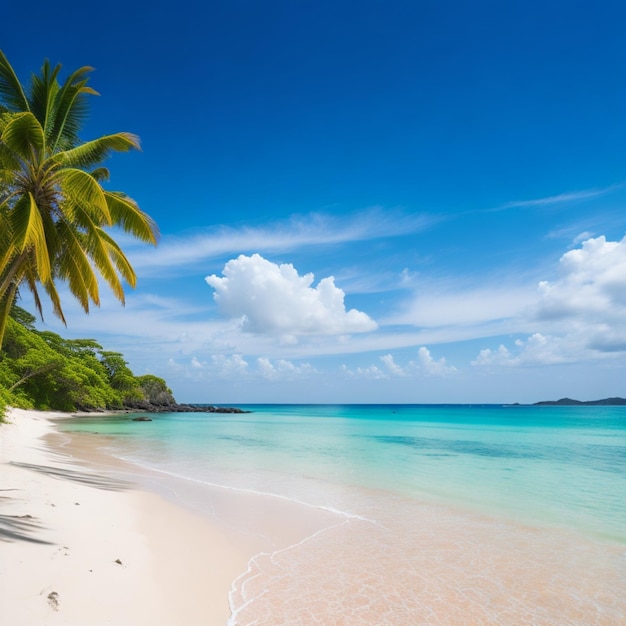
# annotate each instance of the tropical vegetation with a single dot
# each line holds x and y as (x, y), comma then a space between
(42, 370)
(56, 214)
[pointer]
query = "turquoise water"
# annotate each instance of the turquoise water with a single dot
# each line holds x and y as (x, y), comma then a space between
(547, 466)
(431, 514)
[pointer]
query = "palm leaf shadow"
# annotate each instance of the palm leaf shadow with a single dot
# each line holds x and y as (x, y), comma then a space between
(20, 528)
(84, 478)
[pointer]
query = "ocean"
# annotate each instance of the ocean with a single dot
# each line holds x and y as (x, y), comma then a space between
(443, 514)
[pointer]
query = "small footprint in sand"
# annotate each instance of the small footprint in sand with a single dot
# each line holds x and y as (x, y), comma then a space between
(53, 600)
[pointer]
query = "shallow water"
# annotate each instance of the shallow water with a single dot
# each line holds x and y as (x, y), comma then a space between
(444, 514)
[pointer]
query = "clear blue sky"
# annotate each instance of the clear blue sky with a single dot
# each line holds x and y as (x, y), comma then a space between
(360, 202)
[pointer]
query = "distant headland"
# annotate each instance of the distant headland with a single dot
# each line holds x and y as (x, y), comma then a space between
(570, 402)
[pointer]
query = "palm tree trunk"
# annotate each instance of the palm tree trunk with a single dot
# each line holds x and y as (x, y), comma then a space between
(6, 302)
(9, 277)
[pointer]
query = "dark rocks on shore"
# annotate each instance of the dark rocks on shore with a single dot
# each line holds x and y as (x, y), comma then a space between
(148, 407)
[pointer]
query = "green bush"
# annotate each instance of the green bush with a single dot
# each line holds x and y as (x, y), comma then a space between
(43, 370)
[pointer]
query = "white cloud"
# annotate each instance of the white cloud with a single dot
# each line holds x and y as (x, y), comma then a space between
(579, 316)
(588, 300)
(275, 299)
(563, 198)
(437, 306)
(300, 231)
(229, 366)
(537, 349)
(424, 365)
(429, 366)
(235, 367)
(372, 372)
(392, 366)
(283, 369)
(582, 237)
(592, 285)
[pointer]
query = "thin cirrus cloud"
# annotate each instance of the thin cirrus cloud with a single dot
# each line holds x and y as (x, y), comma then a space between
(562, 198)
(274, 299)
(311, 230)
(437, 306)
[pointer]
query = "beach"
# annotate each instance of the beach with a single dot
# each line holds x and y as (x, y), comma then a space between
(81, 544)
(90, 538)
(83, 547)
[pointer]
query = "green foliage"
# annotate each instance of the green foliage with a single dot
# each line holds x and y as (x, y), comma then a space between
(120, 377)
(3, 405)
(42, 370)
(155, 390)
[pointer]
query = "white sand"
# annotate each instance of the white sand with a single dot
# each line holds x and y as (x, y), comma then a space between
(61, 534)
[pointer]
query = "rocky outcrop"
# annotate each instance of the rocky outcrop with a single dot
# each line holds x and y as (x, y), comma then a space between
(149, 407)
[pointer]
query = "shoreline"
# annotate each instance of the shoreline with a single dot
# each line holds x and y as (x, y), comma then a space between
(90, 539)
(196, 552)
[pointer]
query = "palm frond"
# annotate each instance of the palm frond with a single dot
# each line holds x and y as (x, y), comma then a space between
(101, 174)
(28, 234)
(95, 243)
(43, 92)
(82, 189)
(31, 281)
(53, 294)
(11, 93)
(9, 163)
(22, 134)
(125, 212)
(93, 152)
(71, 109)
(98, 250)
(121, 261)
(74, 266)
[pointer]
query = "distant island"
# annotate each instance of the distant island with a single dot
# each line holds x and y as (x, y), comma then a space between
(570, 402)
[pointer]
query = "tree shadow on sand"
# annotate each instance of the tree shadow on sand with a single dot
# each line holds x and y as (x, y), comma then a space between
(20, 528)
(91, 480)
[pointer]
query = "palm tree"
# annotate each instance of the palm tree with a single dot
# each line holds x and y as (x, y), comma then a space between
(54, 211)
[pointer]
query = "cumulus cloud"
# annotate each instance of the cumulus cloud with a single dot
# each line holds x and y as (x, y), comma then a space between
(430, 366)
(373, 372)
(424, 365)
(588, 299)
(275, 299)
(236, 367)
(592, 283)
(283, 369)
(391, 366)
(537, 349)
(581, 314)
